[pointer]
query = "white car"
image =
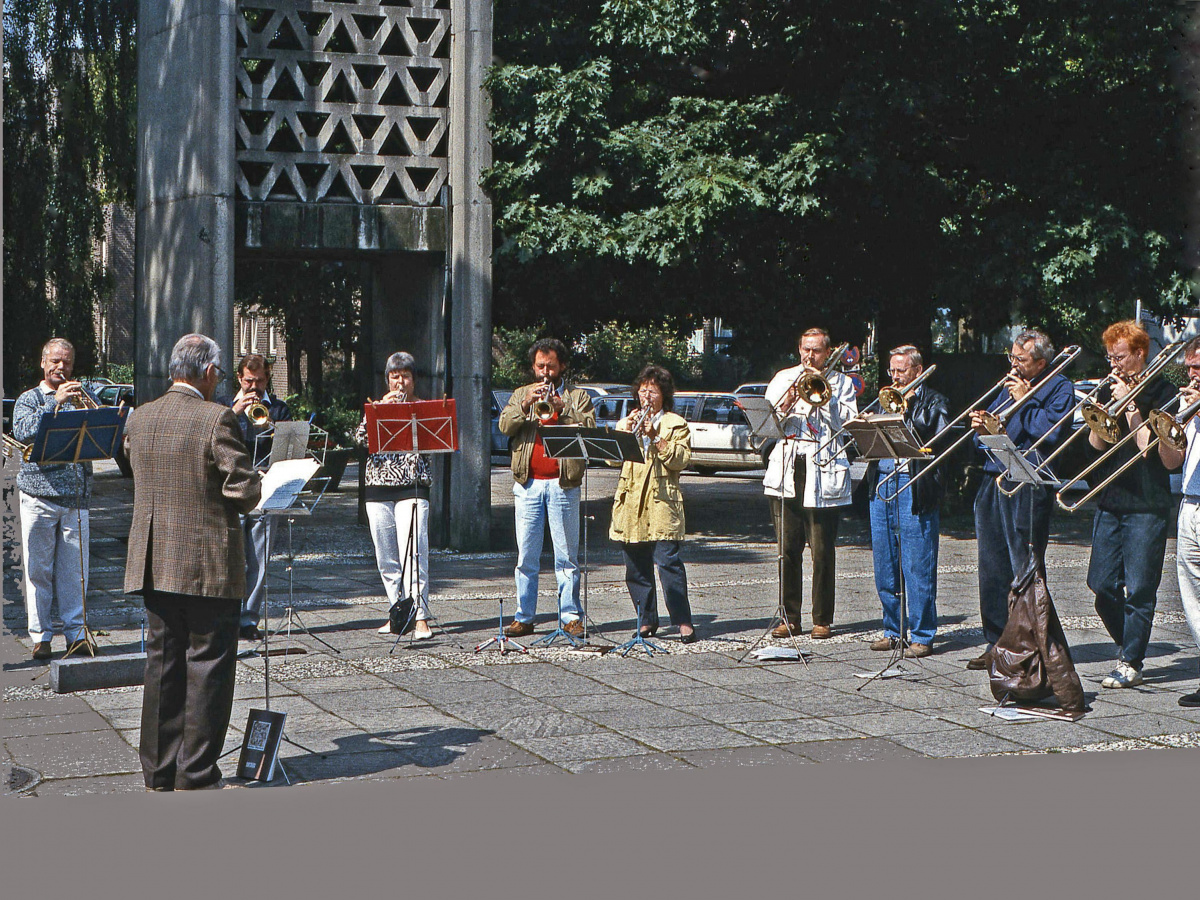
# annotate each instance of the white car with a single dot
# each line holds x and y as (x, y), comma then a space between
(721, 438)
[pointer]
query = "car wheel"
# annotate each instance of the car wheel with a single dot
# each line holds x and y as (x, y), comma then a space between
(705, 470)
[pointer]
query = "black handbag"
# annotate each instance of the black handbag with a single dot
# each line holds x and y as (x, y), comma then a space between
(402, 616)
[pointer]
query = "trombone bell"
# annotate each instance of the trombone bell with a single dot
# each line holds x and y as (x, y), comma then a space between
(1168, 429)
(892, 401)
(1102, 424)
(815, 389)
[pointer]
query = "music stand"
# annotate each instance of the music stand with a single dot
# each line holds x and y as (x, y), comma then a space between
(76, 436)
(879, 437)
(764, 423)
(418, 426)
(610, 445)
(1016, 468)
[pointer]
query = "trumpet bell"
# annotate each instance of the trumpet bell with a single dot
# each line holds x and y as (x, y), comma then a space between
(1169, 430)
(1103, 425)
(258, 414)
(892, 401)
(543, 410)
(16, 450)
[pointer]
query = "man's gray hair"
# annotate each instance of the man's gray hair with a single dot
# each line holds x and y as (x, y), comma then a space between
(909, 351)
(400, 361)
(61, 343)
(191, 357)
(1037, 343)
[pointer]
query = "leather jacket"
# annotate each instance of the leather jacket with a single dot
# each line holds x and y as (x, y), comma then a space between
(927, 414)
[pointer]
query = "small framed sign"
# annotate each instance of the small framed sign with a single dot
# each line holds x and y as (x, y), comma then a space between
(260, 747)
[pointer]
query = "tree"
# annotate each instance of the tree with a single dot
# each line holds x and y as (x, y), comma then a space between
(70, 73)
(788, 162)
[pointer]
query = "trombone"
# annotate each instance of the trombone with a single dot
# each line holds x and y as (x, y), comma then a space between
(1100, 420)
(1168, 429)
(993, 422)
(891, 400)
(814, 387)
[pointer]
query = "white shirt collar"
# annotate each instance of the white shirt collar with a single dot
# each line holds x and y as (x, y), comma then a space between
(183, 384)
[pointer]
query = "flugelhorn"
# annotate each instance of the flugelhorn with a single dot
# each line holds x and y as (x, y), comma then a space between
(1167, 428)
(814, 387)
(996, 420)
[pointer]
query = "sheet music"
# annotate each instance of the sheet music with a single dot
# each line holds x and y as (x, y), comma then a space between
(284, 481)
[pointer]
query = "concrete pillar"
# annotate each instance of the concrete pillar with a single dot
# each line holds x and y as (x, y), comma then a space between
(470, 273)
(185, 237)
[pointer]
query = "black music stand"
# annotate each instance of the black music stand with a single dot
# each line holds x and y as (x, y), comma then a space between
(1001, 448)
(609, 445)
(75, 436)
(879, 437)
(418, 426)
(765, 425)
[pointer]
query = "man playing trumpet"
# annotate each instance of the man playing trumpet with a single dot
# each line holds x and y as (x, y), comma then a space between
(251, 401)
(1003, 522)
(806, 492)
(54, 508)
(1129, 532)
(546, 490)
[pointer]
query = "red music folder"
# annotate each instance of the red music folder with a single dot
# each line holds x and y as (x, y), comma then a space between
(425, 426)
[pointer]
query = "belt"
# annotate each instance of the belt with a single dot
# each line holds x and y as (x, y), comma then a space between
(1191, 498)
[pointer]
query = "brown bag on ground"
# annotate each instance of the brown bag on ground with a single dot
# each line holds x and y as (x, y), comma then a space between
(1032, 661)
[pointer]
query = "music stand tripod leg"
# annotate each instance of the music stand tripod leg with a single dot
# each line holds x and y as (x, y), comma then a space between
(780, 609)
(895, 661)
(501, 640)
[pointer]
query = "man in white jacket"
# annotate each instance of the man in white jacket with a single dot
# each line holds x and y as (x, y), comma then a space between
(808, 489)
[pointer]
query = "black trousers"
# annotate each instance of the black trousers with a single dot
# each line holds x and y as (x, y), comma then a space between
(1003, 536)
(640, 560)
(801, 525)
(191, 654)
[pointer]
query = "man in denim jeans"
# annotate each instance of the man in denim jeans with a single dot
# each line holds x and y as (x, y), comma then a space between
(1129, 532)
(546, 490)
(1187, 547)
(904, 528)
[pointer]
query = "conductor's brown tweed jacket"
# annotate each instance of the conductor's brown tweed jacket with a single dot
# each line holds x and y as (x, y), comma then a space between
(191, 479)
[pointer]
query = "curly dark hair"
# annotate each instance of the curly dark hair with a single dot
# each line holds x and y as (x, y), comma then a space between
(550, 345)
(662, 379)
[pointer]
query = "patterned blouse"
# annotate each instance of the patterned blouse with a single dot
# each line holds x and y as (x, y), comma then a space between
(388, 475)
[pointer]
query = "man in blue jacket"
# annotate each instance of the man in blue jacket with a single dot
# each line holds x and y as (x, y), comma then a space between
(1006, 527)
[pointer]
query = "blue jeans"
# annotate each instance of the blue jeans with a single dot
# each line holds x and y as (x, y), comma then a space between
(538, 501)
(1124, 574)
(916, 550)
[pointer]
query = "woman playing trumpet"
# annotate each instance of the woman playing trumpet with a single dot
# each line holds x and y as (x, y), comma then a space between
(647, 517)
(1129, 531)
(397, 501)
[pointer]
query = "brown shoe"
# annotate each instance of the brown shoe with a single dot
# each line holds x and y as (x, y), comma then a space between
(41, 650)
(885, 644)
(518, 629)
(918, 651)
(821, 632)
(981, 662)
(786, 630)
(574, 628)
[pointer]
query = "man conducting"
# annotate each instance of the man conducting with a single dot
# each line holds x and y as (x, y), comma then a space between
(192, 479)
(254, 381)
(807, 492)
(54, 510)
(904, 528)
(1002, 522)
(546, 489)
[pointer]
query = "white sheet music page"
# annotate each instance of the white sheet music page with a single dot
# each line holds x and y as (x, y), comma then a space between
(284, 481)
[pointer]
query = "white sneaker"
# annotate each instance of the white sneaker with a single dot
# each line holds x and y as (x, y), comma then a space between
(1123, 676)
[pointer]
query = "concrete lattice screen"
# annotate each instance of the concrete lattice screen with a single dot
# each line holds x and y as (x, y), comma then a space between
(343, 101)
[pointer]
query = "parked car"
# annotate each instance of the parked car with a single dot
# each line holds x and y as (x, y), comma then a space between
(612, 408)
(115, 394)
(499, 441)
(721, 438)
(602, 389)
(751, 388)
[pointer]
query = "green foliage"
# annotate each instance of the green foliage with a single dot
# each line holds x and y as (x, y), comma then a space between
(618, 352)
(510, 354)
(339, 416)
(70, 74)
(799, 162)
(121, 373)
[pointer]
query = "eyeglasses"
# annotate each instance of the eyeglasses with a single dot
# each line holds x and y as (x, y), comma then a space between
(1019, 359)
(895, 372)
(1117, 360)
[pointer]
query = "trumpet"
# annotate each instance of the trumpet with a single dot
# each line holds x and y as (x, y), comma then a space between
(14, 449)
(1168, 429)
(814, 387)
(542, 409)
(258, 414)
(891, 400)
(996, 420)
(79, 397)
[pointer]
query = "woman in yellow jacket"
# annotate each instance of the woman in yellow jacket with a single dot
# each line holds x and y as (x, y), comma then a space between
(647, 517)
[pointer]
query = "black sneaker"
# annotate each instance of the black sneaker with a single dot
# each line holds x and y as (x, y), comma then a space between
(1192, 701)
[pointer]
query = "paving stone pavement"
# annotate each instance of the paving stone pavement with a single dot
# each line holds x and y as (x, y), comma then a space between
(364, 710)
